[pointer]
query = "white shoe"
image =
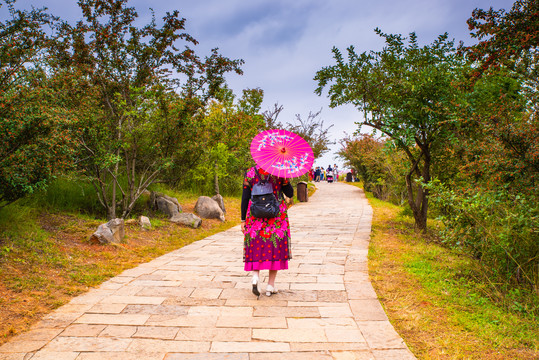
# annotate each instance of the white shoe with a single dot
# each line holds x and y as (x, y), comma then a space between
(255, 286)
(270, 290)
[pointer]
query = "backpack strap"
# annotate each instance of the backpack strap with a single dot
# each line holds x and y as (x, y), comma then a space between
(280, 195)
(258, 176)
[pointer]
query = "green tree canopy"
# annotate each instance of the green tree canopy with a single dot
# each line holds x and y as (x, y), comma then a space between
(139, 121)
(405, 91)
(228, 126)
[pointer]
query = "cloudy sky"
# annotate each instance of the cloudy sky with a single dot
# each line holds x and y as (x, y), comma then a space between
(284, 42)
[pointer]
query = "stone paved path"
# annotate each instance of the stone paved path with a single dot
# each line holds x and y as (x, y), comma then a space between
(196, 304)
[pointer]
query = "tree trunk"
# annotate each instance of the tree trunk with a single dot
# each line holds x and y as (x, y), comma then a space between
(425, 193)
(216, 179)
(420, 202)
(112, 209)
(113, 203)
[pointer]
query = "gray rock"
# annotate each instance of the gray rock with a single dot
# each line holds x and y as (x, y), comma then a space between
(220, 201)
(207, 208)
(111, 232)
(164, 203)
(103, 235)
(167, 206)
(174, 201)
(187, 219)
(145, 222)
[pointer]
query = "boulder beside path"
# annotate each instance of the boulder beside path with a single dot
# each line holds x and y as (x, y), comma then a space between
(144, 222)
(187, 219)
(220, 201)
(207, 208)
(112, 232)
(166, 204)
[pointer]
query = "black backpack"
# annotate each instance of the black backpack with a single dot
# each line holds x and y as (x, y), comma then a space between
(264, 204)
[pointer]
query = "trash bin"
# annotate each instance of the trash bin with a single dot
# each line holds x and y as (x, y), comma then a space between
(348, 177)
(303, 193)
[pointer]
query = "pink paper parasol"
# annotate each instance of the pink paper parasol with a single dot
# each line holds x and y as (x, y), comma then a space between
(282, 153)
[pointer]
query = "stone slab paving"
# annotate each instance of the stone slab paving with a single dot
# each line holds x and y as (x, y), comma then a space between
(195, 303)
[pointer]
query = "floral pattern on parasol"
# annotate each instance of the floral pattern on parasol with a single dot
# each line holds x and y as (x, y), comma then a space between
(282, 153)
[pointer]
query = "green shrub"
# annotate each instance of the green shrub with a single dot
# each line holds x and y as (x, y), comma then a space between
(499, 229)
(379, 165)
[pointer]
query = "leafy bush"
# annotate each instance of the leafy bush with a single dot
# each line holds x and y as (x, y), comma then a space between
(496, 227)
(379, 164)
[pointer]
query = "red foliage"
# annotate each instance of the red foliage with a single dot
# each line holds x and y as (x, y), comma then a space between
(506, 38)
(34, 139)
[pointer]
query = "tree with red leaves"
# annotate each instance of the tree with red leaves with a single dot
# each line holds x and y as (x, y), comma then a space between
(134, 76)
(34, 137)
(490, 206)
(506, 38)
(506, 76)
(379, 164)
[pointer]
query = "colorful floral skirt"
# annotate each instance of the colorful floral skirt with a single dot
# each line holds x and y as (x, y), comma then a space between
(267, 242)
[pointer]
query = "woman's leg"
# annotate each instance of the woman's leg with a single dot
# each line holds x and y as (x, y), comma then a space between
(270, 289)
(255, 281)
(271, 278)
(256, 274)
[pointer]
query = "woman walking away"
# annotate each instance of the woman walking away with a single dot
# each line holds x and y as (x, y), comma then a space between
(266, 239)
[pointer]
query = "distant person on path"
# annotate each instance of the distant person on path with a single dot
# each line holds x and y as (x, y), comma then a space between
(329, 174)
(266, 241)
(335, 173)
(317, 174)
(311, 174)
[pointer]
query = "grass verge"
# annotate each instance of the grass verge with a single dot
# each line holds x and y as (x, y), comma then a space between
(434, 298)
(46, 258)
